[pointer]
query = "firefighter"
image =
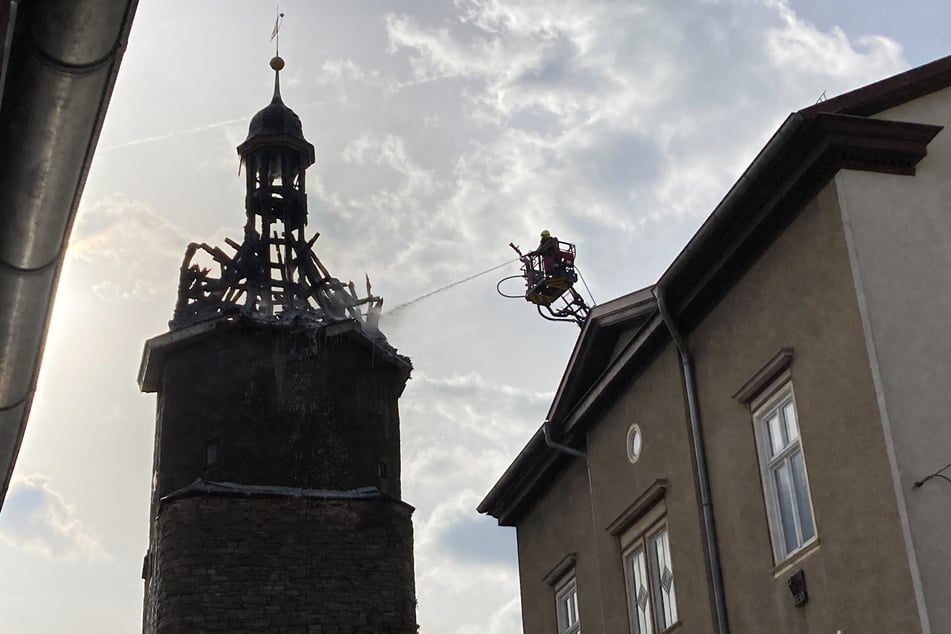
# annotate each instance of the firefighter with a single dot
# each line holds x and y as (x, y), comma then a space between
(548, 249)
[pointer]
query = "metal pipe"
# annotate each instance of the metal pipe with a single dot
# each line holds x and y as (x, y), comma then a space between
(60, 63)
(562, 448)
(700, 462)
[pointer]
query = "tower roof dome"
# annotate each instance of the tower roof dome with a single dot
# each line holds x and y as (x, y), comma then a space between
(276, 122)
(276, 118)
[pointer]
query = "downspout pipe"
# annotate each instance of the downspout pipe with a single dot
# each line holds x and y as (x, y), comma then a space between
(558, 446)
(700, 463)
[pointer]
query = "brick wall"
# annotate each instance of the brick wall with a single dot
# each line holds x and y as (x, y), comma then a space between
(281, 564)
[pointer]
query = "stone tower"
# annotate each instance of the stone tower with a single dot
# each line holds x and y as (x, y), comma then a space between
(276, 477)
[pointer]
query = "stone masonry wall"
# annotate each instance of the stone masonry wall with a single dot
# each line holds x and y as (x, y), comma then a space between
(284, 406)
(224, 563)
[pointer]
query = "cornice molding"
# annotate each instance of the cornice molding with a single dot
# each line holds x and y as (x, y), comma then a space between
(764, 376)
(639, 507)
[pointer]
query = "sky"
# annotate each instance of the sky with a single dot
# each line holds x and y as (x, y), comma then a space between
(443, 130)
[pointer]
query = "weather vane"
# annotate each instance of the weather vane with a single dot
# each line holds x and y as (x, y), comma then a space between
(276, 31)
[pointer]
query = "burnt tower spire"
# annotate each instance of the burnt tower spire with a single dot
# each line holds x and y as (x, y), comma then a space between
(274, 274)
(276, 502)
(275, 157)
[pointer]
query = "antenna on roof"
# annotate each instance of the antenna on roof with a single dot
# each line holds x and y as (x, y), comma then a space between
(821, 98)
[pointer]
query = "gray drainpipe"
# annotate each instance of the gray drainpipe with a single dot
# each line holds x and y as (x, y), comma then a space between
(703, 481)
(562, 448)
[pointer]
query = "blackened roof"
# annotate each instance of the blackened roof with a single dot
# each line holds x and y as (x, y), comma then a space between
(276, 118)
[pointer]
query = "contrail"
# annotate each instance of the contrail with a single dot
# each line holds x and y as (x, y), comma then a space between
(422, 80)
(447, 287)
(202, 128)
(171, 135)
(244, 119)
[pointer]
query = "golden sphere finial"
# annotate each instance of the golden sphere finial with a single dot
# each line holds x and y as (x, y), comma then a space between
(277, 62)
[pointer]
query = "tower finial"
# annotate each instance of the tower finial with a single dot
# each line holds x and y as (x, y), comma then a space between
(277, 63)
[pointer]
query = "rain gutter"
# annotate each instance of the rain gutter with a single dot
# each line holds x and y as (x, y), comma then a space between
(733, 199)
(8, 17)
(62, 59)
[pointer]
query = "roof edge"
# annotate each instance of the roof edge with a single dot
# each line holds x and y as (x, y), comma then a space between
(522, 480)
(155, 349)
(616, 313)
(887, 93)
(530, 472)
(800, 159)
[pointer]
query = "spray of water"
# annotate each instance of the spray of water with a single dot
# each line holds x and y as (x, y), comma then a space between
(448, 286)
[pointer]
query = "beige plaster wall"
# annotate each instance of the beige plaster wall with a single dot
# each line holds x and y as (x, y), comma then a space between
(559, 524)
(899, 231)
(565, 520)
(800, 294)
(654, 401)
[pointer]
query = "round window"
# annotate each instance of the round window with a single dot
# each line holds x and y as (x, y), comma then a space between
(635, 442)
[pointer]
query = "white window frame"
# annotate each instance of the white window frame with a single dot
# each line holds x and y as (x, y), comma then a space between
(654, 610)
(770, 463)
(566, 607)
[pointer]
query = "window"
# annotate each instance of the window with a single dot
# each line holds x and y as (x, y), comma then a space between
(211, 453)
(635, 442)
(569, 621)
(649, 573)
(785, 484)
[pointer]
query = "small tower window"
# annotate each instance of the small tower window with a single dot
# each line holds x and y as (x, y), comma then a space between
(381, 469)
(211, 453)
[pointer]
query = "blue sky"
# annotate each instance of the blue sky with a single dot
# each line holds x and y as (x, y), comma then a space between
(443, 131)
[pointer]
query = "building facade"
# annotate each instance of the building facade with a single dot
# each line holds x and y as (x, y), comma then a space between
(754, 444)
(276, 502)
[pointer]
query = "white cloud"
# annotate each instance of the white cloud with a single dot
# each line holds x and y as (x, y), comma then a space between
(505, 619)
(443, 131)
(602, 119)
(132, 251)
(460, 555)
(798, 45)
(345, 69)
(38, 519)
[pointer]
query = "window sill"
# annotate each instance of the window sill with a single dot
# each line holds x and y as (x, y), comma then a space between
(676, 626)
(795, 558)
